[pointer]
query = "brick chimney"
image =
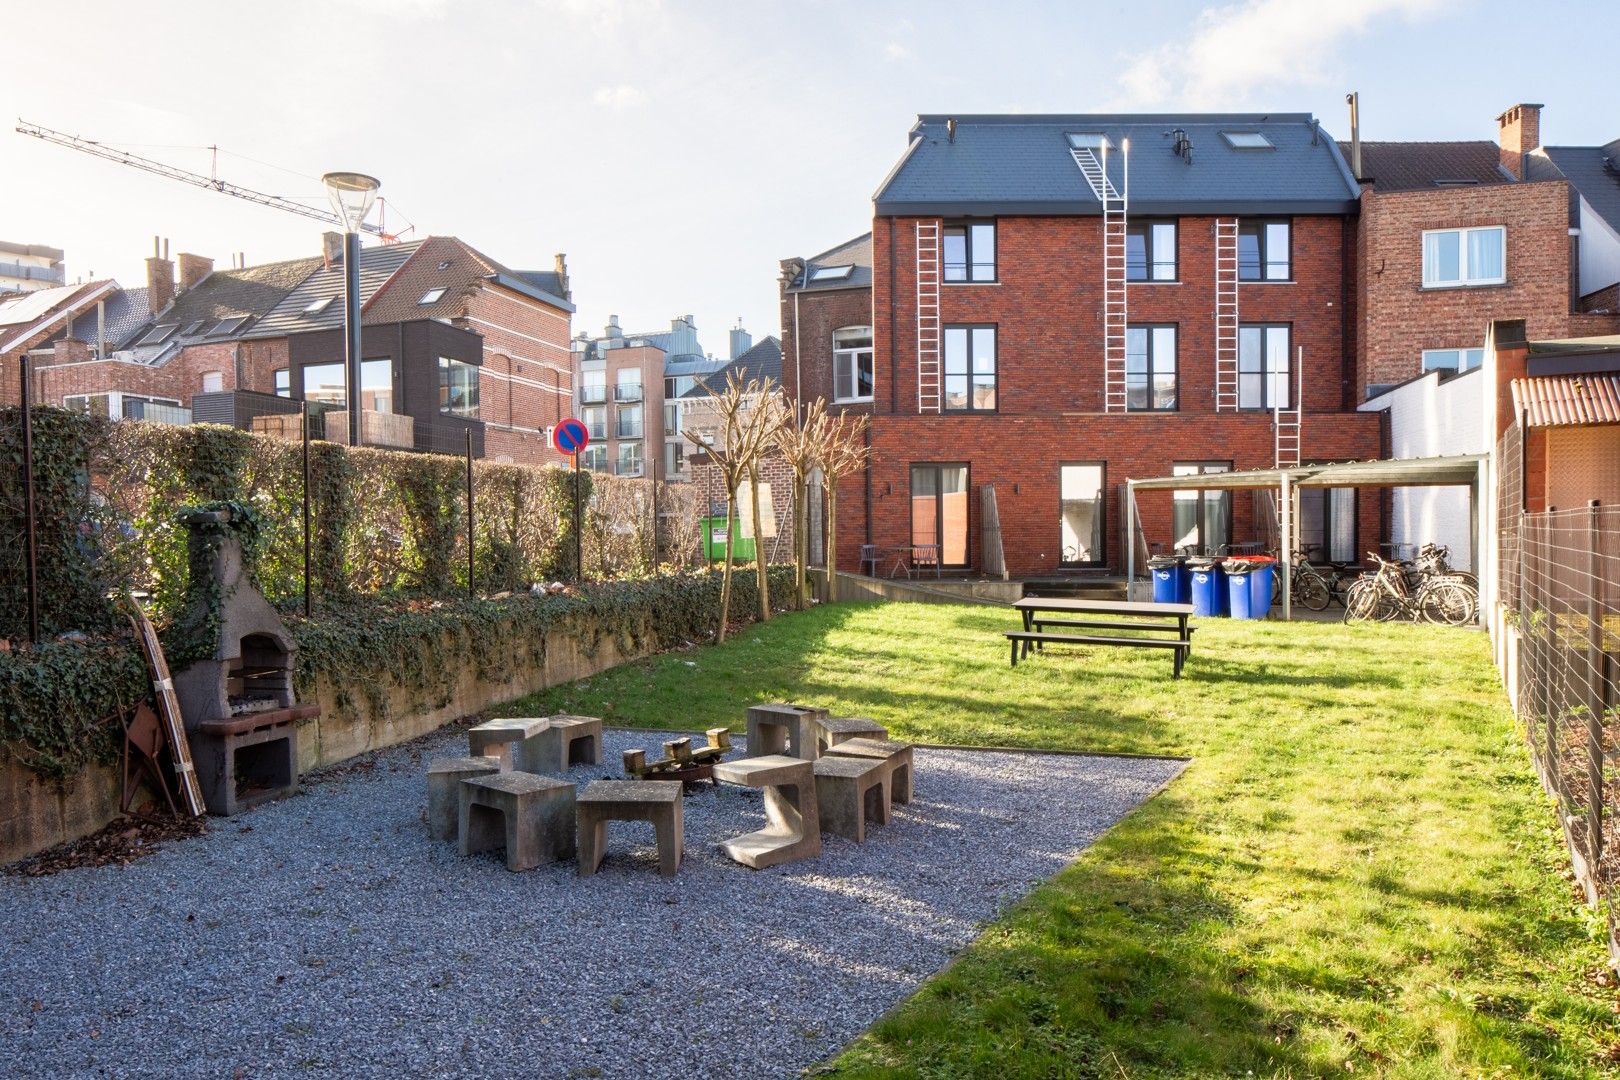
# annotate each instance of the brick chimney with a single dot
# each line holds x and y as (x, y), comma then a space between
(332, 247)
(159, 277)
(562, 275)
(1518, 132)
(193, 268)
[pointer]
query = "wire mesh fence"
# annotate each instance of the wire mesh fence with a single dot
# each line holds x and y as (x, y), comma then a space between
(1559, 576)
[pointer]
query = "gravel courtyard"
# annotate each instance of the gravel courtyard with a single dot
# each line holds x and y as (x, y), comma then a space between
(328, 934)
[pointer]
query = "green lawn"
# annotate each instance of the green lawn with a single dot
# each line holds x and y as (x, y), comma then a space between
(1356, 875)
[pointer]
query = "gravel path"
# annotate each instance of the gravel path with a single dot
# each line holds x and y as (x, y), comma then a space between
(327, 934)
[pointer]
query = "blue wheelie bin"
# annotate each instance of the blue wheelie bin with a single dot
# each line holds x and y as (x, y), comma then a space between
(1262, 578)
(1208, 586)
(1238, 572)
(1169, 579)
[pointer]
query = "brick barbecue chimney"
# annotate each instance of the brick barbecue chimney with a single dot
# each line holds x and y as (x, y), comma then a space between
(1518, 132)
(159, 277)
(193, 268)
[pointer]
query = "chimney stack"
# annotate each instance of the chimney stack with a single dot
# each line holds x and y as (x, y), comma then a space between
(159, 277)
(562, 273)
(613, 330)
(1353, 99)
(741, 340)
(193, 268)
(1518, 132)
(332, 247)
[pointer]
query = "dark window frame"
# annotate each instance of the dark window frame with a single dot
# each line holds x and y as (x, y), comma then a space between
(1102, 510)
(1266, 405)
(1202, 514)
(1175, 360)
(446, 365)
(1260, 224)
(966, 226)
(939, 510)
(1145, 225)
(945, 373)
(1327, 523)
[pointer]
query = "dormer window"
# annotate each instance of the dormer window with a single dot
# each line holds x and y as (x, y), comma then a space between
(432, 296)
(1247, 140)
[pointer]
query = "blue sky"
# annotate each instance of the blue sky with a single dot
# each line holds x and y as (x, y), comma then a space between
(675, 150)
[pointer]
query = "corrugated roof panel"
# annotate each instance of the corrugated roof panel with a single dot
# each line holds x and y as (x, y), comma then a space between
(1567, 400)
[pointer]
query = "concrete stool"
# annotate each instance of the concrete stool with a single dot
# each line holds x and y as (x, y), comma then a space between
(566, 741)
(852, 791)
(531, 816)
(657, 801)
(783, 728)
(444, 791)
(897, 754)
(495, 738)
(830, 731)
(793, 820)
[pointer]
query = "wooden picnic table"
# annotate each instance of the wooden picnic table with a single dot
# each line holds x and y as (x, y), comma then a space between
(1040, 612)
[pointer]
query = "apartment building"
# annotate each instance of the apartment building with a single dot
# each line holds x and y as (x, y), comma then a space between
(1059, 303)
(30, 267)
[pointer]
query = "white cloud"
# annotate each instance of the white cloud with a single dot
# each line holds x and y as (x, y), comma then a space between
(623, 96)
(1237, 51)
(896, 51)
(400, 9)
(603, 17)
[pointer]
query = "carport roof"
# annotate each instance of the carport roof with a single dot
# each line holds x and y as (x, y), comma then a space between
(1461, 469)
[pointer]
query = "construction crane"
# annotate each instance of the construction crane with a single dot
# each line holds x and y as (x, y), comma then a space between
(211, 183)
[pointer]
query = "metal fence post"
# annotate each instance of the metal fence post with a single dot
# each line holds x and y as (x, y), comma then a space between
(303, 415)
(472, 579)
(28, 503)
(1596, 695)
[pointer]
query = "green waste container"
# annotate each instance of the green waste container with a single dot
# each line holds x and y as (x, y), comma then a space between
(714, 541)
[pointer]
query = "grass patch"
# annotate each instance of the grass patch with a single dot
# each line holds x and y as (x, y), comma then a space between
(1357, 875)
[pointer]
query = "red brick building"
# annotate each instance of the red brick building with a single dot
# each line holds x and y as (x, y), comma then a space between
(1059, 303)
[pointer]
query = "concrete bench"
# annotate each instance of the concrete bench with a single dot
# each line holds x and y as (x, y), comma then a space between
(830, 731)
(656, 801)
(783, 728)
(793, 820)
(498, 738)
(566, 741)
(531, 816)
(896, 754)
(850, 792)
(444, 791)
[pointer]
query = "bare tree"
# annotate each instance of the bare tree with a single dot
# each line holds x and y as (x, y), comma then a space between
(842, 450)
(796, 442)
(733, 447)
(765, 418)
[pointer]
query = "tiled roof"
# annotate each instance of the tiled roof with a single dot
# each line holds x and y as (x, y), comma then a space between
(293, 315)
(763, 361)
(249, 292)
(1593, 171)
(29, 307)
(1421, 166)
(451, 264)
(1023, 164)
(1565, 400)
(21, 316)
(126, 312)
(856, 253)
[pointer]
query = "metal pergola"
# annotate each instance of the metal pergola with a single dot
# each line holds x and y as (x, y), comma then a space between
(1463, 470)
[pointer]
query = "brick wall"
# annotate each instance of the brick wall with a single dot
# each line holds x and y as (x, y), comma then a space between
(808, 322)
(527, 383)
(178, 379)
(710, 486)
(1400, 318)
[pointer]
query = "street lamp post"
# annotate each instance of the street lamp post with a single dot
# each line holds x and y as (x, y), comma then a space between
(352, 195)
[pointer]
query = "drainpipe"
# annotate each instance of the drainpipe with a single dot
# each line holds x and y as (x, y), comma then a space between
(798, 362)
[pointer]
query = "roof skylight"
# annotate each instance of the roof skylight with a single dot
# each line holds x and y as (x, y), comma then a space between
(160, 333)
(832, 273)
(320, 305)
(1247, 140)
(1088, 140)
(228, 326)
(432, 296)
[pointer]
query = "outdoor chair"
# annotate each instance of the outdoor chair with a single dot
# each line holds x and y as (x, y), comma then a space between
(923, 558)
(869, 557)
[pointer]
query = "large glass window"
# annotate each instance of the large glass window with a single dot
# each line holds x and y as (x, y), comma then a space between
(852, 363)
(1327, 524)
(593, 386)
(329, 383)
(1452, 359)
(1264, 366)
(1460, 257)
(594, 458)
(1264, 251)
(594, 417)
(939, 511)
(1080, 513)
(1150, 251)
(458, 388)
(970, 369)
(627, 385)
(628, 422)
(1202, 520)
(970, 251)
(629, 463)
(1150, 368)
(283, 378)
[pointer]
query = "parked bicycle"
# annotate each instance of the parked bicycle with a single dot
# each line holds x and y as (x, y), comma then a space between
(1388, 592)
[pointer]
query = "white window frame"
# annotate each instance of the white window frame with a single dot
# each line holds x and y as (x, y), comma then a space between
(846, 361)
(1463, 282)
(1462, 354)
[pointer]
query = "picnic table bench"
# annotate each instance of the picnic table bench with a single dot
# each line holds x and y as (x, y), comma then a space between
(1073, 613)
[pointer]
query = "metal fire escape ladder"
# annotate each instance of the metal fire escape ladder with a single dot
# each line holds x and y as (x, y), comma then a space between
(1286, 423)
(1115, 208)
(929, 380)
(1226, 314)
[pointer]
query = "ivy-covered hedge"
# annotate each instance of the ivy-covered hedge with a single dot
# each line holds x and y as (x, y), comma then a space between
(109, 495)
(55, 700)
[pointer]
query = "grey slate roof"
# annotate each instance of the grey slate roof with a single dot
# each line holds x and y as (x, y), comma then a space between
(126, 312)
(547, 281)
(247, 293)
(1593, 171)
(1016, 164)
(291, 315)
(763, 361)
(856, 253)
(1421, 166)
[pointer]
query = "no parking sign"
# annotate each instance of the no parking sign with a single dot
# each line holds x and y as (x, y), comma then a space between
(570, 437)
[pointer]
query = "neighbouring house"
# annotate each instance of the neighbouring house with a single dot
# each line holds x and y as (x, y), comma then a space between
(30, 267)
(29, 320)
(1047, 322)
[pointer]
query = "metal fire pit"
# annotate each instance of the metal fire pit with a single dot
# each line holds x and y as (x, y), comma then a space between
(680, 761)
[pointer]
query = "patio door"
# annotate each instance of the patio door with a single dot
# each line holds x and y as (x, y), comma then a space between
(939, 511)
(1202, 519)
(1080, 514)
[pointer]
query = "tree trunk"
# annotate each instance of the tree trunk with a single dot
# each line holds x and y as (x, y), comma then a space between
(759, 547)
(801, 542)
(725, 570)
(832, 537)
